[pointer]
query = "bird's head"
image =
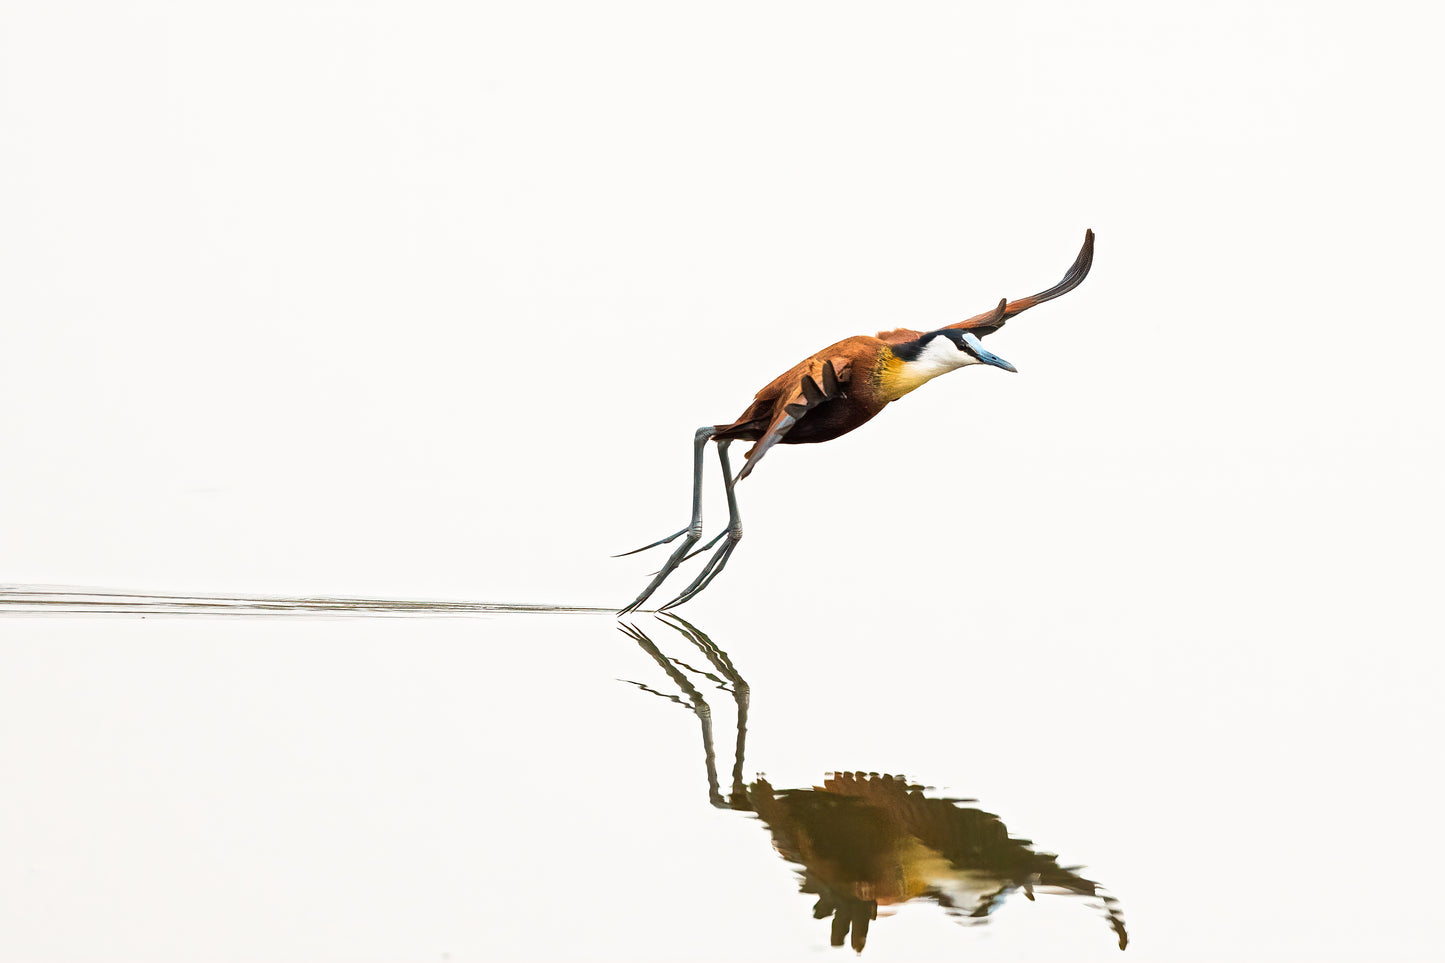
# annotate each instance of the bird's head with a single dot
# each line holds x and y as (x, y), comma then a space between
(959, 348)
(932, 354)
(947, 349)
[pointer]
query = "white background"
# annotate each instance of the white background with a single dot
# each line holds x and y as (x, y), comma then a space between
(427, 299)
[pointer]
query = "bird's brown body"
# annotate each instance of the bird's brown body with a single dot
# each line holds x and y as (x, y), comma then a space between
(856, 402)
(870, 374)
(837, 389)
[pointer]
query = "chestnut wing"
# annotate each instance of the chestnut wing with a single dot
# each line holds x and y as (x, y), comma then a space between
(990, 321)
(806, 387)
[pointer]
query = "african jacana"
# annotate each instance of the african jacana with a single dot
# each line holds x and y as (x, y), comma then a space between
(831, 393)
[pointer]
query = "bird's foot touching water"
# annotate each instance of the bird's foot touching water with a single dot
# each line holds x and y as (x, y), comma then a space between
(680, 553)
(715, 564)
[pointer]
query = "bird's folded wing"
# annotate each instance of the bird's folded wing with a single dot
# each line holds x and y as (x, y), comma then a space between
(809, 385)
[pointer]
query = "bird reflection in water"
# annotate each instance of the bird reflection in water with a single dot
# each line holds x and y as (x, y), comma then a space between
(864, 840)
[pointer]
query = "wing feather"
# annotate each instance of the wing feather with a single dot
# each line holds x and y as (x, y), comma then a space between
(811, 383)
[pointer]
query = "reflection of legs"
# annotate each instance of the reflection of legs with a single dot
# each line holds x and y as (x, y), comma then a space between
(697, 704)
(741, 695)
(693, 530)
(729, 679)
(734, 533)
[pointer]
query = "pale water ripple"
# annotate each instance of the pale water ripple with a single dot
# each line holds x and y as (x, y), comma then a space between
(70, 600)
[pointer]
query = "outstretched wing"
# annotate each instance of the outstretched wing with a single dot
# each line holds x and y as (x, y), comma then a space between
(991, 321)
(803, 388)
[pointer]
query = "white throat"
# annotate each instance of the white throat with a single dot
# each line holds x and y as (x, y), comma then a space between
(939, 356)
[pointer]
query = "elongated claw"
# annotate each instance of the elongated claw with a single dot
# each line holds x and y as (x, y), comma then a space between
(673, 562)
(660, 541)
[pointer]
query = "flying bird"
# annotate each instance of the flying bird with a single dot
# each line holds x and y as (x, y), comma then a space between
(829, 394)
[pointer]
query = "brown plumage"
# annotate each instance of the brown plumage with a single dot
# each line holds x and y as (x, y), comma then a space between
(834, 391)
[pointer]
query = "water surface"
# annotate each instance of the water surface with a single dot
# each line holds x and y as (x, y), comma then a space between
(384, 779)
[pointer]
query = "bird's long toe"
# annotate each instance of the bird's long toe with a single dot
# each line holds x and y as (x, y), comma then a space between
(673, 562)
(711, 542)
(709, 572)
(660, 541)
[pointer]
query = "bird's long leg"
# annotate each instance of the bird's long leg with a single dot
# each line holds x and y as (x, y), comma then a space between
(734, 533)
(693, 531)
